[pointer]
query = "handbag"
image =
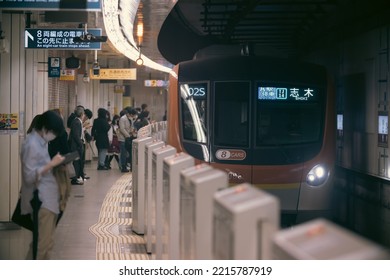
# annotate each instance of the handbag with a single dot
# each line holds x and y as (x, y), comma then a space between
(87, 137)
(24, 220)
(70, 169)
(62, 177)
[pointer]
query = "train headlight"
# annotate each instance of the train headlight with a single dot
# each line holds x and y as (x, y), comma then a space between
(317, 175)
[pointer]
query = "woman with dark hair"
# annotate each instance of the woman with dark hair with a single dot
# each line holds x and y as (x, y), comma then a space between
(114, 149)
(143, 120)
(38, 178)
(100, 130)
(33, 123)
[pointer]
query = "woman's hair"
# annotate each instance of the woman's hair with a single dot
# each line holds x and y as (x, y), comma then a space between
(115, 118)
(33, 123)
(144, 114)
(102, 113)
(88, 113)
(51, 121)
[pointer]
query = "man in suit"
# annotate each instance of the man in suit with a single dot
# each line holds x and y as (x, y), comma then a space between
(76, 143)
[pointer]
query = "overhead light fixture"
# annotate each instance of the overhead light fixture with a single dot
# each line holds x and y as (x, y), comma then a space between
(140, 24)
(119, 28)
(139, 60)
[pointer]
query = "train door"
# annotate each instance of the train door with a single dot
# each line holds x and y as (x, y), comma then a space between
(230, 146)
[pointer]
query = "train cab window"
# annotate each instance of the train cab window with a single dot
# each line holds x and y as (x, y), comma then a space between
(231, 109)
(286, 119)
(193, 106)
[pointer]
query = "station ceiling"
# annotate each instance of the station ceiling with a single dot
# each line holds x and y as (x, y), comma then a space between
(175, 31)
(289, 28)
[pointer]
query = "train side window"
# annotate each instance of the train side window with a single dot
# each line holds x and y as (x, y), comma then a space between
(231, 113)
(193, 106)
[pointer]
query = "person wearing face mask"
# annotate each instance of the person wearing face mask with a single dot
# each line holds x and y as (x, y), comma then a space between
(37, 176)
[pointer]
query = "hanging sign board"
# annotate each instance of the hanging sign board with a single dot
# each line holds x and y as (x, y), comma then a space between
(42, 5)
(155, 83)
(40, 38)
(114, 74)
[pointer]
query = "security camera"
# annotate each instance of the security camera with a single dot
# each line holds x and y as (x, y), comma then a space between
(90, 38)
(96, 69)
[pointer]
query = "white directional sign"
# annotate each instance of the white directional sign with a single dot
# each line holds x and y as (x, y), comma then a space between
(37, 38)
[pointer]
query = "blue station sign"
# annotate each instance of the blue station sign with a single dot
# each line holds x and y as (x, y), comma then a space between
(38, 38)
(82, 5)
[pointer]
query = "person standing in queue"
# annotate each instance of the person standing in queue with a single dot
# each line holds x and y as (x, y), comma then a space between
(114, 149)
(100, 130)
(60, 145)
(38, 178)
(76, 143)
(125, 136)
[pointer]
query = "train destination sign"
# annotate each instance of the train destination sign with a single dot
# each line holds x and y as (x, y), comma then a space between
(37, 38)
(42, 5)
(287, 93)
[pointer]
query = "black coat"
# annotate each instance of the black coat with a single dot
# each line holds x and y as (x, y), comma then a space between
(75, 141)
(99, 132)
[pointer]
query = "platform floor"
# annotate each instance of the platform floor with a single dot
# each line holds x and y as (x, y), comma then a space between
(96, 224)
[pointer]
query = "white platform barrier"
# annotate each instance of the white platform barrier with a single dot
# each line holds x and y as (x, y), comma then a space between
(323, 240)
(149, 147)
(198, 186)
(245, 222)
(186, 230)
(173, 165)
(138, 187)
(197, 217)
(158, 156)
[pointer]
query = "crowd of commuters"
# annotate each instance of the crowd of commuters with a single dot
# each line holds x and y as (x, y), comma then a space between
(45, 172)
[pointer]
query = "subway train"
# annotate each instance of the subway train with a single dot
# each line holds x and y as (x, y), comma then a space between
(266, 121)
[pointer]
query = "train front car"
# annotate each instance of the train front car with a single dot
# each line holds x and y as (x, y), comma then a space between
(270, 122)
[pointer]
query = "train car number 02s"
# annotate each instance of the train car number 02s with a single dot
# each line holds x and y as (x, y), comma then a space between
(223, 154)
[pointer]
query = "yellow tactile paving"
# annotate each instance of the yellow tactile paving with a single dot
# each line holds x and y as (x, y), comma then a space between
(114, 238)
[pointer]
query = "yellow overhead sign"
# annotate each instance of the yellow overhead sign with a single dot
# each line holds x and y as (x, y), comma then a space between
(114, 74)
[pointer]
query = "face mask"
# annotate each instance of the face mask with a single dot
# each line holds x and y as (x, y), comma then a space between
(49, 136)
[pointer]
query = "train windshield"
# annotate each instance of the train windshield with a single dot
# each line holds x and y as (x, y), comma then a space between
(287, 115)
(193, 105)
(281, 115)
(231, 113)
